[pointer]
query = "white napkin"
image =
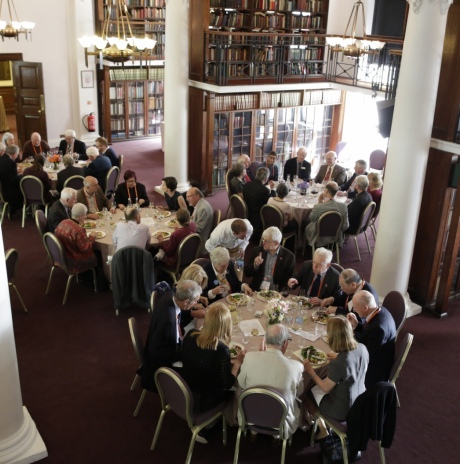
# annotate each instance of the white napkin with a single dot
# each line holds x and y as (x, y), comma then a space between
(247, 326)
(148, 221)
(306, 335)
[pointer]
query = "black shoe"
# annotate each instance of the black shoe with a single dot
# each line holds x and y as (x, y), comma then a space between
(355, 457)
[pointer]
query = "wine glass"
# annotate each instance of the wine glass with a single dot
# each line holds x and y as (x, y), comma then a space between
(285, 292)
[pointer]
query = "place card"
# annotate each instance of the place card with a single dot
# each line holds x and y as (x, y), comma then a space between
(306, 335)
(247, 326)
(147, 221)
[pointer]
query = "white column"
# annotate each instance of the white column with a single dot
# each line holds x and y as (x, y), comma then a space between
(409, 144)
(20, 441)
(176, 92)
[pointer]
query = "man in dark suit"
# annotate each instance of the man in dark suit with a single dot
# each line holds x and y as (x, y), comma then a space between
(98, 166)
(61, 209)
(222, 278)
(71, 145)
(321, 271)
(164, 338)
(347, 189)
(331, 170)
(10, 179)
(377, 333)
(270, 264)
(298, 166)
(103, 146)
(358, 205)
(271, 165)
(69, 171)
(256, 195)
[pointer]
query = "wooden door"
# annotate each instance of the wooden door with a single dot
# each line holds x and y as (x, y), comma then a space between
(30, 98)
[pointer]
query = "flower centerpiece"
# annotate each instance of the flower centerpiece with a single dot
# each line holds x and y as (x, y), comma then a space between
(55, 159)
(275, 311)
(302, 186)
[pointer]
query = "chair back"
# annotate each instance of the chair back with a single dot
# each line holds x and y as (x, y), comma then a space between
(111, 179)
(337, 267)
(201, 261)
(228, 188)
(153, 299)
(340, 146)
(253, 168)
(41, 222)
(2, 198)
(396, 305)
(187, 251)
(55, 252)
(75, 182)
(401, 356)
(239, 207)
(330, 225)
(32, 190)
(271, 216)
(136, 339)
(121, 160)
(11, 261)
(366, 217)
(377, 160)
(216, 220)
(263, 410)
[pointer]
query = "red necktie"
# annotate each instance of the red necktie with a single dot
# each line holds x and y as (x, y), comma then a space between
(328, 173)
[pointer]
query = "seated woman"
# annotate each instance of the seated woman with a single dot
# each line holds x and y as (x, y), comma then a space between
(36, 170)
(207, 367)
(170, 246)
(174, 200)
(282, 191)
(375, 188)
(236, 181)
(345, 376)
(131, 190)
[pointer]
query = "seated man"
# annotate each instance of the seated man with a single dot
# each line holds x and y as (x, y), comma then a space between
(98, 166)
(270, 264)
(35, 146)
(69, 171)
(358, 205)
(348, 188)
(270, 368)
(318, 278)
(233, 234)
(77, 245)
(256, 195)
(71, 145)
(377, 333)
(326, 202)
(10, 179)
(164, 338)
(222, 278)
(271, 165)
(331, 170)
(202, 217)
(298, 166)
(350, 282)
(103, 146)
(92, 196)
(247, 162)
(131, 232)
(61, 209)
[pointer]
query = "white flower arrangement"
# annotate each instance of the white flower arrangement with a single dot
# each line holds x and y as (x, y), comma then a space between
(275, 311)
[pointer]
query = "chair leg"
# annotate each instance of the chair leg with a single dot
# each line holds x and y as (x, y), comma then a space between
(367, 240)
(94, 280)
(191, 446)
(157, 430)
(357, 248)
(133, 385)
(315, 426)
(20, 299)
(67, 288)
(49, 280)
(382, 453)
(139, 403)
(237, 446)
(283, 452)
(374, 231)
(24, 207)
(338, 254)
(224, 430)
(5, 205)
(344, 450)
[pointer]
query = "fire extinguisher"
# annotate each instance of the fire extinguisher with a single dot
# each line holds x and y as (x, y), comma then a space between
(91, 121)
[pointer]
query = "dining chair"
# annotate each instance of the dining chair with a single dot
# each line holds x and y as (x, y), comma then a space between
(41, 222)
(377, 160)
(239, 207)
(396, 305)
(75, 182)
(11, 262)
(201, 261)
(229, 194)
(216, 220)
(176, 396)
(253, 168)
(111, 180)
(337, 267)
(121, 160)
(272, 216)
(56, 254)
(262, 410)
(153, 299)
(33, 193)
(4, 203)
(400, 359)
(363, 225)
(339, 147)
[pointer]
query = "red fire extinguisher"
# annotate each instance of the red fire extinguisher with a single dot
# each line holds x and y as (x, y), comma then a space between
(91, 122)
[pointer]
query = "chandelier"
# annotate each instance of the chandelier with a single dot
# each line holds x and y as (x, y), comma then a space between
(12, 29)
(348, 43)
(116, 43)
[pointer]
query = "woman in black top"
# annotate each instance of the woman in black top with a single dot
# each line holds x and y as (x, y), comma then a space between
(130, 189)
(173, 198)
(207, 367)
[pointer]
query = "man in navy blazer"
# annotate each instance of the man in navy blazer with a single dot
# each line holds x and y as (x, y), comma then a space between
(377, 333)
(297, 166)
(270, 263)
(103, 146)
(98, 167)
(62, 208)
(329, 284)
(164, 338)
(346, 188)
(358, 205)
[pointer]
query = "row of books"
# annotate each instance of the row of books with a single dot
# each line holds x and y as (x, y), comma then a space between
(128, 74)
(222, 41)
(156, 103)
(137, 123)
(155, 88)
(143, 3)
(235, 101)
(117, 124)
(305, 54)
(315, 6)
(147, 13)
(136, 108)
(136, 91)
(117, 108)
(117, 93)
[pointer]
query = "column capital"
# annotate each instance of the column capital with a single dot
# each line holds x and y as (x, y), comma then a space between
(444, 4)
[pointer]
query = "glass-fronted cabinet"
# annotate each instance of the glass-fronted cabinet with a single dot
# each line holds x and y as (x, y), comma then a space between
(242, 129)
(220, 147)
(284, 132)
(264, 134)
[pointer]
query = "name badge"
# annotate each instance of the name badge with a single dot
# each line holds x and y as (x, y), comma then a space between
(303, 167)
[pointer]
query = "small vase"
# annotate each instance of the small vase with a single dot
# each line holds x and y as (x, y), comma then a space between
(56, 166)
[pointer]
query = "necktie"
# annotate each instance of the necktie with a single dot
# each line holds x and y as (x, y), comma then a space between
(69, 212)
(69, 149)
(328, 173)
(299, 166)
(179, 329)
(315, 287)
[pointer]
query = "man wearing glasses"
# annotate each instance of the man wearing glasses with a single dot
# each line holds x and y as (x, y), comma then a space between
(202, 215)
(71, 145)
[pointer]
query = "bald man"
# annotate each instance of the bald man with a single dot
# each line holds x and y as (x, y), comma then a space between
(34, 146)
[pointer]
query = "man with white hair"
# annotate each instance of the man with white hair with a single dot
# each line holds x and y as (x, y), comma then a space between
(348, 188)
(69, 171)
(331, 170)
(270, 368)
(71, 145)
(358, 205)
(317, 277)
(270, 264)
(247, 162)
(61, 209)
(98, 166)
(298, 166)
(92, 196)
(35, 146)
(2, 148)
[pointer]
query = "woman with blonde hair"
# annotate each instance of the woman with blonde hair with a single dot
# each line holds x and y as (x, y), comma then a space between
(375, 187)
(207, 366)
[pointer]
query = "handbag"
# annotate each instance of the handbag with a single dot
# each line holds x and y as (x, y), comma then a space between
(332, 453)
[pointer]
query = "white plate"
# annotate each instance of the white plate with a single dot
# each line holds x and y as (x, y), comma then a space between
(171, 223)
(314, 315)
(274, 295)
(298, 353)
(326, 339)
(232, 344)
(100, 233)
(166, 234)
(242, 301)
(166, 213)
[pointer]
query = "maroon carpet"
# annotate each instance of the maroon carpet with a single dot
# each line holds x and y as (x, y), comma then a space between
(76, 365)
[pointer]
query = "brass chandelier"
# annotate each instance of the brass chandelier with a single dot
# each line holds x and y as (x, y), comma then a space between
(13, 27)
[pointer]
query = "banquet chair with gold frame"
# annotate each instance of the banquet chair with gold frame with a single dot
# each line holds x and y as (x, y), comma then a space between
(394, 302)
(4, 203)
(272, 216)
(33, 192)
(121, 160)
(111, 180)
(239, 207)
(400, 359)
(11, 261)
(75, 182)
(366, 216)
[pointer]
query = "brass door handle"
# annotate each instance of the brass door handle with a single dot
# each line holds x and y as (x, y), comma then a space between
(42, 104)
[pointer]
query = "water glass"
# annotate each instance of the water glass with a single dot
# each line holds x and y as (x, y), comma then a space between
(319, 329)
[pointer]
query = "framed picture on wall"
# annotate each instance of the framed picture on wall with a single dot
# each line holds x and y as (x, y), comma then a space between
(87, 79)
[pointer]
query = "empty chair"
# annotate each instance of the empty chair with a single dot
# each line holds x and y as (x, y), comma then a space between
(11, 261)
(272, 216)
(262, 410)
(377, 160)
(111, 180)
(396, 305)
(75, 182)
(239, 207)
(56, 254)
(363, 224)
(401, 355)
(33, 192)
(3, 205)
(340, 146)
(175, 396)
(41, 222)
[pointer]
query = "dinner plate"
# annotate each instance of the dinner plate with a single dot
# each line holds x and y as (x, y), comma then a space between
(237, 299)
(266, 295)
(89, 224)
(313, 361)
(305, 301)
(171, 223)
(320, 317)
(166, 213)
(236, 345)
(165, 233)
(99, 233)
(325, 338)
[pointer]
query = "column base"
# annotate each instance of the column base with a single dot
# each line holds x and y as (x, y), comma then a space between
(25, 446)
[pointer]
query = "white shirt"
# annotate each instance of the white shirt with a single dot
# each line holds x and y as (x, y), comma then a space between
(223, 236)
(131, 234)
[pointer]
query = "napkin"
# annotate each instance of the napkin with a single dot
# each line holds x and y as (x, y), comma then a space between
(247, 326)
(303, 334)
(148, 221)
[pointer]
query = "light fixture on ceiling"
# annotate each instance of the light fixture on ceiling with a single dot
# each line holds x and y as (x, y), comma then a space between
(12, 28)
(114, 43)
(348, 43)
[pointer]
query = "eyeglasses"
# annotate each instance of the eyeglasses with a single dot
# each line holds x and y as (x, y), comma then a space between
(267, 241)
(190, 196)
